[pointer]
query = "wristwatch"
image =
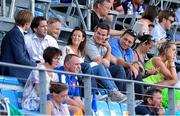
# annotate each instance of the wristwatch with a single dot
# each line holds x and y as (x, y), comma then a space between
(146, 73)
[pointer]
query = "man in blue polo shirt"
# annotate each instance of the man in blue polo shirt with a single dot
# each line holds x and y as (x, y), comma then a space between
(123, 56)
(72, 64)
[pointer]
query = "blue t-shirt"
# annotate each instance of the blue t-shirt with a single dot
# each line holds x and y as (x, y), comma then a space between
(117, 51)
(71, 81)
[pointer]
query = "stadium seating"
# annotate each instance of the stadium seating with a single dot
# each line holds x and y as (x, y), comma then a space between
(124, 109)
(102, 109)
(12, 89)
(114, 108)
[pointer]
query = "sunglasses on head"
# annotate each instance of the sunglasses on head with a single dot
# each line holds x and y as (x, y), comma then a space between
(151, 25)
(131, 32)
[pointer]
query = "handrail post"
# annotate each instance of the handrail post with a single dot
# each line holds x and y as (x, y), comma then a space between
(12, 9)
(171, 103)
(43, 92)
(32, 6)
(3, 7)
(90, 7)
(130, 100)
(80, 14)
(87, 95)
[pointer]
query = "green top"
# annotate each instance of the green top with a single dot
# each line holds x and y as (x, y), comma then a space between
(152, 79)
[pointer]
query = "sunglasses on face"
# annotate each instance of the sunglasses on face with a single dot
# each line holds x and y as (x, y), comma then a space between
(172, 21)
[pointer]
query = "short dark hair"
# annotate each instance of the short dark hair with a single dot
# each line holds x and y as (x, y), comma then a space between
(146, 38)
(69, 57)
(150, 13)
(82, 44)
(130, 32)
(50, 53)
(165, 14)
(22, 17)
(57, 87)
(150, 92)
(36, 21)
(102, 26)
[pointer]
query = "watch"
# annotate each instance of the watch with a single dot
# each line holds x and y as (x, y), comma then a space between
(146, 73)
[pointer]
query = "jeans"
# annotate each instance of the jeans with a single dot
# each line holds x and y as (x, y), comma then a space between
(100, 70)
(86, 69)
(119, 72)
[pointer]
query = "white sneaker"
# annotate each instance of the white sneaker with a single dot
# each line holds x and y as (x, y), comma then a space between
(117, 96)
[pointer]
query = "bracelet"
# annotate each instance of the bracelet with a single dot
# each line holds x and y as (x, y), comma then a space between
(172, 66)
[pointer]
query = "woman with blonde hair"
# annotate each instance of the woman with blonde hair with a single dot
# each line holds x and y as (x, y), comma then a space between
(165, 62)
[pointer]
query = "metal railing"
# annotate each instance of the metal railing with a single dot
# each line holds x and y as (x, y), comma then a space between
(87, 89)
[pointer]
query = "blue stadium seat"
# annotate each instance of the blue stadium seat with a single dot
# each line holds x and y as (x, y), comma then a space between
(10, 88)
(12, 95)
(114, 108)
(102, 109)
(124, 108)
(167, 112)
(10, 80)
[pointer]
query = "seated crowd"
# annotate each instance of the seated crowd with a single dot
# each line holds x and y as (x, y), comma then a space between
(101, 55)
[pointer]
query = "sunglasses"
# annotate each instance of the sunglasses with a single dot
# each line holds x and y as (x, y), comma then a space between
(171, 21)
(151, 25)
(131, 32)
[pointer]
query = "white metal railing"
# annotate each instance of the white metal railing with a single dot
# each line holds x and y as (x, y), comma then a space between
(87, 90)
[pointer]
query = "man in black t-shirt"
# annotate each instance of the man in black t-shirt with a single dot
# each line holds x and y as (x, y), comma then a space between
(99, 15)
(152, 103)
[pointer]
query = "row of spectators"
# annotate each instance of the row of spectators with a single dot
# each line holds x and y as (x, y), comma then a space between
(97, 55)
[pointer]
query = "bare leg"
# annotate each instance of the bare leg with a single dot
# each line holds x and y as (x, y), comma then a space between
(168, 82)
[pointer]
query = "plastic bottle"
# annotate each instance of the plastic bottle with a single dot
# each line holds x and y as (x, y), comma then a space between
(130, 8)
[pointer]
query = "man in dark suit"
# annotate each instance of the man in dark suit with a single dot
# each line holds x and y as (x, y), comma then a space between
(13, 49)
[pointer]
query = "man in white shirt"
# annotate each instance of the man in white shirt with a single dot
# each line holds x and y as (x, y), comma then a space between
(159, 32)
(37, 41)
(54, 27)
(166, 18)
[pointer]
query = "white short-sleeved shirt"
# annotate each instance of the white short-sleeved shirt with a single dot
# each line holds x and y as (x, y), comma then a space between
(158, 32)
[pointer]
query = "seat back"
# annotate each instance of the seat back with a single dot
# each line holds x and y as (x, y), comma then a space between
(102, 109)
(114, 108)
(66, 1)
(12, 89)
(124, 109)
(11, 95)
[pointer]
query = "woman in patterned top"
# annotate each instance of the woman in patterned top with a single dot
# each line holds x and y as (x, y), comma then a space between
(31, 100)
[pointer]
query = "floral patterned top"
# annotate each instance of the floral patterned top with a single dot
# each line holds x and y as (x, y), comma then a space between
(31, 100)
